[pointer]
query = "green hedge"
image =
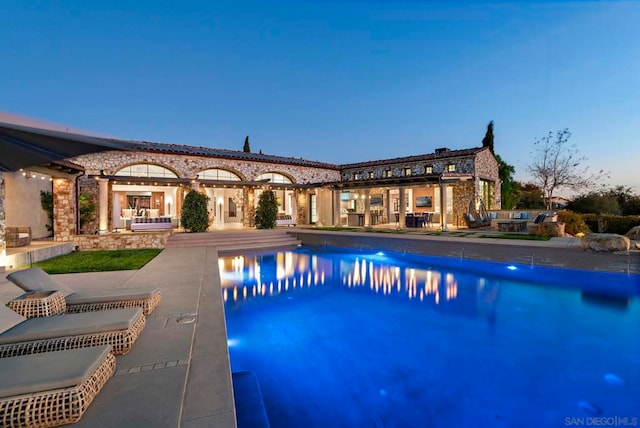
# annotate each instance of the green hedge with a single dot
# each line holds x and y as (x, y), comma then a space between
(609, 223)
(573, 222)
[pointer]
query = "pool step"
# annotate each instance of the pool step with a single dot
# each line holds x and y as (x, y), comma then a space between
(250, 411)
(239, 240)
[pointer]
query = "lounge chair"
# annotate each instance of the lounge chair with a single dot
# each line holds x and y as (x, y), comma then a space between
(21, 336)
(35, 279)
(53, 388)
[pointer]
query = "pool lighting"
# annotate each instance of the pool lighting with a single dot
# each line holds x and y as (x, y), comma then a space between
(232, 342)
(511, 267)
(379, 253)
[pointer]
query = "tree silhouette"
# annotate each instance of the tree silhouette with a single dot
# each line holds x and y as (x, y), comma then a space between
(556, 164)
(267, 210)
(487, 141)
(246, 147)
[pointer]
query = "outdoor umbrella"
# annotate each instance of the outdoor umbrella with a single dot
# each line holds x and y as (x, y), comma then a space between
(24, 147)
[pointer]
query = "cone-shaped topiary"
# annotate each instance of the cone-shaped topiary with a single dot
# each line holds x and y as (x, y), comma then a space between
(194, 216)
(267, 210)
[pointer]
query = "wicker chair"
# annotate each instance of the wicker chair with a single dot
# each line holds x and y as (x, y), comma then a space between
(20, 336)
(52, 388)
(36, 279)
(17, 236)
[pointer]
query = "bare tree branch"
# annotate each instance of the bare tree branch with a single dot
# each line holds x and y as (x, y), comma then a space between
(556, 164)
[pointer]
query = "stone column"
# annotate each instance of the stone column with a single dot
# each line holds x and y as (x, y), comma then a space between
(64, 209)
(403, 206)
(103, 204)
(248, 208)
(336, 208)
(367, 207)
(3, 242)
(443, 206)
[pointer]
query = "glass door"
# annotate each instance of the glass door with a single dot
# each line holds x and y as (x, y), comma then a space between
(314, 209)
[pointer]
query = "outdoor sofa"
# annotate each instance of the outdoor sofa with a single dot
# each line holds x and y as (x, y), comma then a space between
(21, 336)
(36, 279)
(52, 388)
(284, 220)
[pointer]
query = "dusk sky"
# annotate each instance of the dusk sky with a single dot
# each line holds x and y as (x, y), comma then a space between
(334, 81)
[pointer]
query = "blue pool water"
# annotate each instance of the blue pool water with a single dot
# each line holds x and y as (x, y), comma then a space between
(343, 339)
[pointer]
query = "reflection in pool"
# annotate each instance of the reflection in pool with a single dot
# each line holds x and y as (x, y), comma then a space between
(354, 339)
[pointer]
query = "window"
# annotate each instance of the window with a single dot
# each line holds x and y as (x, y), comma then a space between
(146, 170)
(355, 175)
(451, 167)
(428, 169)
(407, 172)
(370, 174)
(388, 173)
(273, 177)
(218, 174)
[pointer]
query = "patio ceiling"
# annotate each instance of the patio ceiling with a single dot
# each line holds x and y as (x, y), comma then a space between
(27, 147)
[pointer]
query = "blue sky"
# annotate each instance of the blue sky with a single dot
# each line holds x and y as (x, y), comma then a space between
(334, 81)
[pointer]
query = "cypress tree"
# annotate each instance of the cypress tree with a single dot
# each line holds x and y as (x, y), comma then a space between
(487, 141)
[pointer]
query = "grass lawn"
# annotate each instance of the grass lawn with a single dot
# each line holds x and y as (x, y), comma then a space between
(98, 261)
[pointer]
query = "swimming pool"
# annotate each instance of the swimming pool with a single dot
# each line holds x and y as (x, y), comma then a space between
(347, 339)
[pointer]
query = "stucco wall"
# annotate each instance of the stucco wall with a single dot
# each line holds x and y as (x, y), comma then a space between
(22, 206)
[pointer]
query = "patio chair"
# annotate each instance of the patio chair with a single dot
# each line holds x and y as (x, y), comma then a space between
(52, 388)
(21, 336)
(35, 279)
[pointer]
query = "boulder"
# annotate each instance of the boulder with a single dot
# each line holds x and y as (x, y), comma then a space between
(633, 233)
(605, 242)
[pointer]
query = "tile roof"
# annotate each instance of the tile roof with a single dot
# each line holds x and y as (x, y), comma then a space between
(225, 153)
(416, 158)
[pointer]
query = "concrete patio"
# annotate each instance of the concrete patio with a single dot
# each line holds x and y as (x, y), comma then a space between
(178, 373)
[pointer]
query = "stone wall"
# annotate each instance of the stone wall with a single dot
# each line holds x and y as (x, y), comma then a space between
(64, 209)
(464, 164)
(89, 188)
(121, 241)
(188, 166)
(3, 243)
(463, 193)
(487, 168)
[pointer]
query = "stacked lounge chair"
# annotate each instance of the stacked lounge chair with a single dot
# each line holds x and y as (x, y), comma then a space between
(52, 367)
(53, 388)
(118, 328)
(35, 279)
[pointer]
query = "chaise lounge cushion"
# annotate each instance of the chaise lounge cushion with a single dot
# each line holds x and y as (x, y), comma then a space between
(112, 294)
(28, 374)
(9, 318)
(70, 325)
(36, 279)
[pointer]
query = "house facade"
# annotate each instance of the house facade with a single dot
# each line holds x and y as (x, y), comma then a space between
(148, 182)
